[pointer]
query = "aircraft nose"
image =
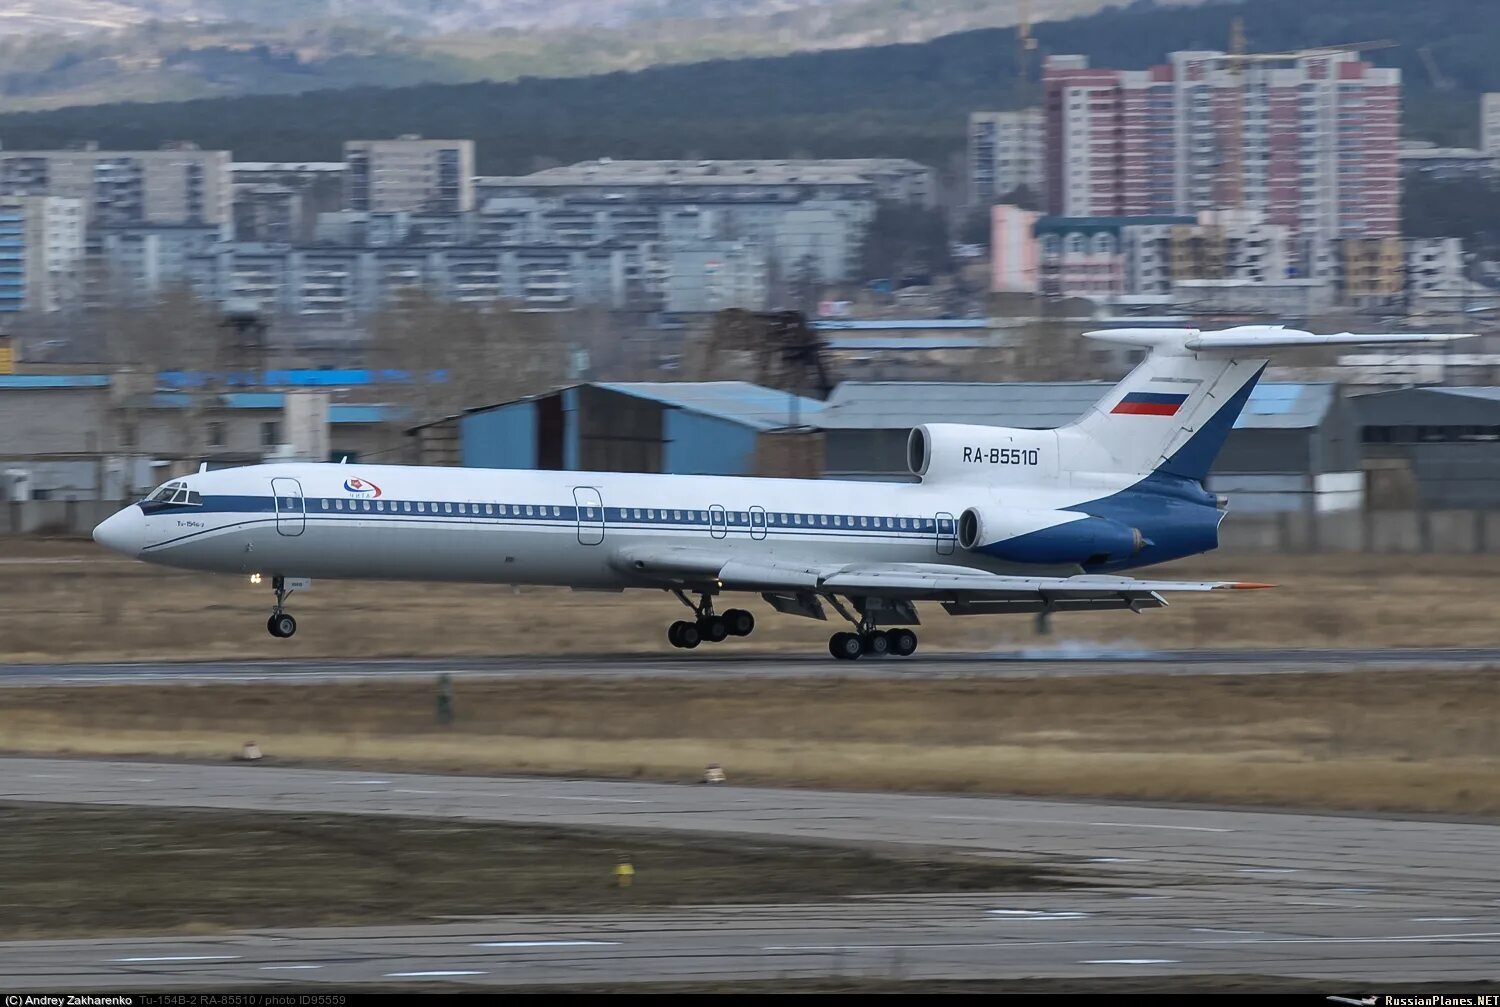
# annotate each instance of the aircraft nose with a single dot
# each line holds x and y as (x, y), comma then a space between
(123, 532)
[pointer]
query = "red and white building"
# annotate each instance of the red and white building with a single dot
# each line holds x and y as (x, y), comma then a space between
(1316, 138)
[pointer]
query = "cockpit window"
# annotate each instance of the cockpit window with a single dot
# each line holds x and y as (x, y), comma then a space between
(175, 493)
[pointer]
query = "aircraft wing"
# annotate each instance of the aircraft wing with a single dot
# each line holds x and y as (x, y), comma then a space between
(961, 589)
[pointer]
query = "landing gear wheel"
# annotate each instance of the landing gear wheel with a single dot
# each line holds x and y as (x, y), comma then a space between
(281, 625)
(903, 642)
(845, 646)
(672, 632)
(713, 628)
(876, 643)
(684, 635)
(741, 622)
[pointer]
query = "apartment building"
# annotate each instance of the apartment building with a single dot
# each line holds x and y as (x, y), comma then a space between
(1310, 141)
(1006, 153)
(409, 174)
(41, 252)
(177, 185)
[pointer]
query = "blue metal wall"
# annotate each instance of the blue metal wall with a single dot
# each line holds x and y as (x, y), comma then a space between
(503, 438)
(703, 445)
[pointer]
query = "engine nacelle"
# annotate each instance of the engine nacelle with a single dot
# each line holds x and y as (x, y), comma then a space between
(949, 450)
(1047, 537)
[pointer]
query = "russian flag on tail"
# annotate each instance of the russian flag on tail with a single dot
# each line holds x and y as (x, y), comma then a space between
(1150, 404)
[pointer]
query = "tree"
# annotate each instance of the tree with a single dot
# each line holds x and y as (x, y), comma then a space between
(459, 356)
(905, 240)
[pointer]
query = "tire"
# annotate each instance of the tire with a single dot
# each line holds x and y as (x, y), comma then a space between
(271, 626)
(285, 626)
(741, 622)
(876, 644)
(903, 642)
(713, 628)
(688, 636)
(845, 646)
(674, 632)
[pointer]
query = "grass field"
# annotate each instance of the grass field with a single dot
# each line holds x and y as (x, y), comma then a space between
(1390, 740)
(97, 871)
(71, 601)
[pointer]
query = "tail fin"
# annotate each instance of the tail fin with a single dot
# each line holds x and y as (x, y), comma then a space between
(1173, 413)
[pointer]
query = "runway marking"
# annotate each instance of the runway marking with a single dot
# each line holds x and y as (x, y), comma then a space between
(1118, 860)
(407, 790)
(287, 968)
(1064, 821)
(1131, 961)
(1491, 937)
(418, 975)
(181, 958)
(604, 800)
(1443, 919)
(359, 783)
(1267, 870)
(1037, 914)
(546, 944)
(1221, 930)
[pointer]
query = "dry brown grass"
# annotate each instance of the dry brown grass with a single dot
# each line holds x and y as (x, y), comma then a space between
(1397, 740)
(70, 601)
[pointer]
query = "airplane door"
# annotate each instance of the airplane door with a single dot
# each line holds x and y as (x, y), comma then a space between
(947, 529)
(291, 509)
(757, 522)
(718, 521)
(590, 515)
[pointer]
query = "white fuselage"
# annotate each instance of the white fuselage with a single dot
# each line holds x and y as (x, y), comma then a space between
(531, 527)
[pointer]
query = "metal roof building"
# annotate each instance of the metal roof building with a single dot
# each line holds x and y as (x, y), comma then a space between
(690, 427)
(1446, 442)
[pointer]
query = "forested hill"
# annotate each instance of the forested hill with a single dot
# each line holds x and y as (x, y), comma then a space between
(900, 101)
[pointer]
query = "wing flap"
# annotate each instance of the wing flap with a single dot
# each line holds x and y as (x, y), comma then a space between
(913, 581)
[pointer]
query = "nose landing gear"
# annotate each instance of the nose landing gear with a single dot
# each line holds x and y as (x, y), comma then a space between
(281, 624)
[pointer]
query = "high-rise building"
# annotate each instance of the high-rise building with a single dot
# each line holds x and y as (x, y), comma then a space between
(177, 185)
(409, 174)
(1310, 141)
(1005, 154)
(41, 252)
(1489, 124)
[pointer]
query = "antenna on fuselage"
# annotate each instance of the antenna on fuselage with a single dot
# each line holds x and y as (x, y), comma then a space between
(203, 466)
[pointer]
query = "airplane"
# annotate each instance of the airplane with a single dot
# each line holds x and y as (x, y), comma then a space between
(999, 521)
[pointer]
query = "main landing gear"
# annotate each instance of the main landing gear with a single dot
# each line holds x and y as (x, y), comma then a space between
(867, 640)
(707, 626)
(280, 624)
(873, 642)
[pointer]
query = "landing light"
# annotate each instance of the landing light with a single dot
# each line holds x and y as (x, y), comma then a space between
(255, 578)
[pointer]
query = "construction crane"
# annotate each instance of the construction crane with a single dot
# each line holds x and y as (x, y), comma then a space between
(1232, 173)
(1025, 44)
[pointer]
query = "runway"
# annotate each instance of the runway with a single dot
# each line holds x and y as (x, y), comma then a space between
(1172, 891)
(1030, 662)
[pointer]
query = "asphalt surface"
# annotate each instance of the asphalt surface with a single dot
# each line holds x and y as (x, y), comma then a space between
(1177, 891)
(1031, 662)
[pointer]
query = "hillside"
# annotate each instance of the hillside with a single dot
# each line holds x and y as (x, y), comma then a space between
(55, 53)
(905, 100)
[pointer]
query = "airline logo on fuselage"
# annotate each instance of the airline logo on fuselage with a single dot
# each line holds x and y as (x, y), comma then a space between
(362, 488)
(1150, 404)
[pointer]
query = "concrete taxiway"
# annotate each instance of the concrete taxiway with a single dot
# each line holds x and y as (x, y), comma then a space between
(1174, 891)
(1029, 662)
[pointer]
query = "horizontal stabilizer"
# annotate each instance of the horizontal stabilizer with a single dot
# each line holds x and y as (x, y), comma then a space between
(1268, 337)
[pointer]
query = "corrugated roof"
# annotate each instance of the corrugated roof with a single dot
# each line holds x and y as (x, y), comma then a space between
(1489, 392)
(337, 412)
(739, 401)
(906, 342)
(885, 405)
(34, 381)
(899, 324)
